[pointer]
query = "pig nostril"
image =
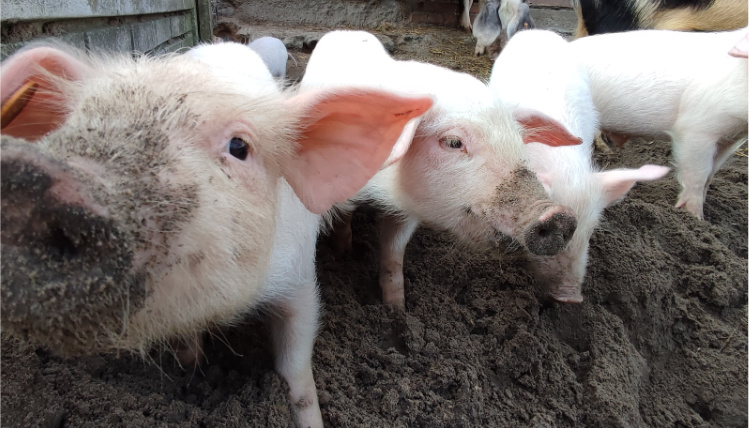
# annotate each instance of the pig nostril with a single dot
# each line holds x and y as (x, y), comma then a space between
(61, 245)
(550, 237)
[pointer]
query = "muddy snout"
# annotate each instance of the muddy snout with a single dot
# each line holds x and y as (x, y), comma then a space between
(551, 232)
(66, 268)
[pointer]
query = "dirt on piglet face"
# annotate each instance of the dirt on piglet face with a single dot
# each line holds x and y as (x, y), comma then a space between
(67, 277)
(139, 228)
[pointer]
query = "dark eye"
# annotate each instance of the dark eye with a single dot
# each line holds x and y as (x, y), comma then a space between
(239, 148)
(451, 142)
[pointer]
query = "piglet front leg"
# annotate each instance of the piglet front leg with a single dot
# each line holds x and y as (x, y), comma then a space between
(395, 232)
(294, 327)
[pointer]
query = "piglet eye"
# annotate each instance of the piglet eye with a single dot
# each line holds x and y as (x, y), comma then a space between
(451, 142)
(239, 148)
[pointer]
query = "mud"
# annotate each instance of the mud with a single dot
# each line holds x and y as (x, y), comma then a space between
(660, 340)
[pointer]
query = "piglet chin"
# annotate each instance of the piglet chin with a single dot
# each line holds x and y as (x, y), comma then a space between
(567, 294)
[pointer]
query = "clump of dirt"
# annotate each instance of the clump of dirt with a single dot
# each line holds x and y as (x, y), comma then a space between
(660, 340)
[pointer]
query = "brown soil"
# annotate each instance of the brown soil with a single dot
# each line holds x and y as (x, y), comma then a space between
(660, 340)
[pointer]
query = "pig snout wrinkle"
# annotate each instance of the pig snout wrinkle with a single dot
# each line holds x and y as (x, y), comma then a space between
(550, 236)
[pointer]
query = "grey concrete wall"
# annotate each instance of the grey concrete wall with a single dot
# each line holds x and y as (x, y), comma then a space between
(122, 25)
(329, 13)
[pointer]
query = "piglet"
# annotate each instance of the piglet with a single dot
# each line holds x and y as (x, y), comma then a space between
(274, 55)
(538, 69)
(146, 200)
(461, 167)
(677, 85)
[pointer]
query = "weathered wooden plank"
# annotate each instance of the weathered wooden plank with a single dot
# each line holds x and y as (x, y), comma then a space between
(205, 20)
(176, 45)
(181, 24)
(16, 10)
(150, 34)
(112, 38)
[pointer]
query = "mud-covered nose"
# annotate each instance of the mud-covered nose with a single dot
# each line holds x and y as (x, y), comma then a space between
(44, 206)
(66, 269)
(550, 235)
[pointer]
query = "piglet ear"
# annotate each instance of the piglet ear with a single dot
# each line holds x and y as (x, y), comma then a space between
(345, 139)
(30, 101)
(741, 50)
(403, 143)
(617, 182)
(540, 128)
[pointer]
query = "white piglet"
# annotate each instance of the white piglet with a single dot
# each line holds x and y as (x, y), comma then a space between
(677, 85)
(274, 55)
(538, 69)
(147, 200)
(461, 167)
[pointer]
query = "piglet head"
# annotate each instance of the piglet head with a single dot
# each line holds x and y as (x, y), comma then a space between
(563, 274)
(139, 196)
(467, 172)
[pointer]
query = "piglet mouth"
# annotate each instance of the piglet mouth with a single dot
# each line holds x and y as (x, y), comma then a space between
(66, 269)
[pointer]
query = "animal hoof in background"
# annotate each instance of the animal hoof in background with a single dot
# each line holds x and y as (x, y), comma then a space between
(465, 23)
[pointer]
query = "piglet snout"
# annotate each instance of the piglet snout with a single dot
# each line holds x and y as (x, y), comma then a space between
(552, 231)
(66, 268)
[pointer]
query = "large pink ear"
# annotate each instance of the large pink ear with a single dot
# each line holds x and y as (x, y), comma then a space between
(30, 102)
(617, 182)
(540, 128)
(346, 137)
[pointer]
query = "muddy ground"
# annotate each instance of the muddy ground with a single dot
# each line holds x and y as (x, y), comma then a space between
(660, 340)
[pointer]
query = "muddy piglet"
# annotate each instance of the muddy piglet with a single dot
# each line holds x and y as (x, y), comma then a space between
(538, 69)
(461, 167)
(145, 200)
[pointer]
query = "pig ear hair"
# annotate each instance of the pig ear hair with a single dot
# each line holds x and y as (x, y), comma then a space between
(344, 140)
(30, 93)
(540, 128)
(618, 182)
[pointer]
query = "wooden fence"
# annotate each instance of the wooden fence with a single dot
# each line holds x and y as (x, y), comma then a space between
(123, 25)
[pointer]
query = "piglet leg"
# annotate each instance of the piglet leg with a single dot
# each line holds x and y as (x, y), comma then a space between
(694, 155)
(725, 150)
(294, 326)
(395, 232)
